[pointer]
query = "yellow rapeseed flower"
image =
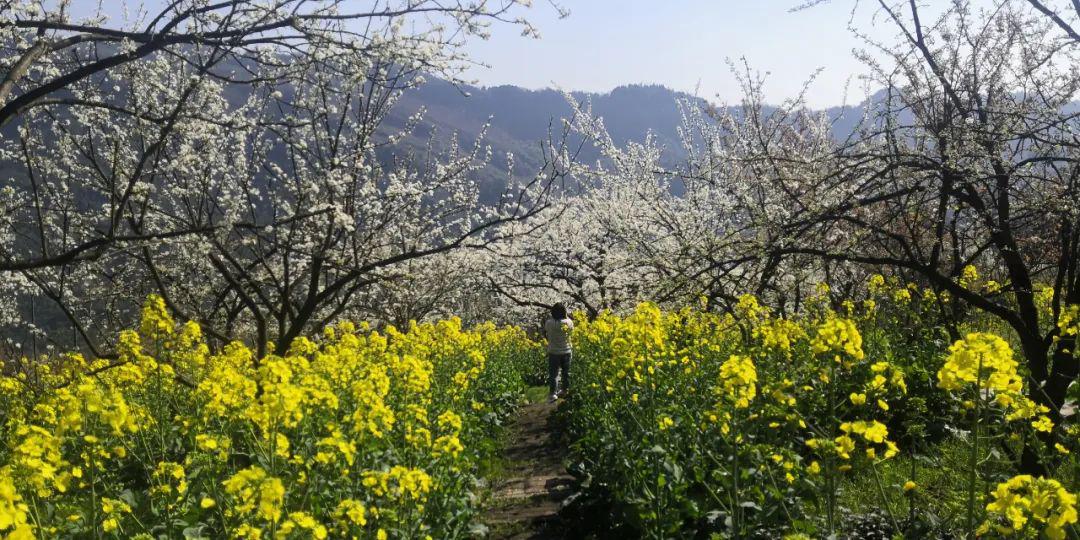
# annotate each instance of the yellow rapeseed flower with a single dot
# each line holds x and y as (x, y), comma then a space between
(738, 381)
(1024, 499)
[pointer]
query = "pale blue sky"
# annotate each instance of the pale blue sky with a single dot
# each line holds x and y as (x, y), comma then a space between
(682, 44)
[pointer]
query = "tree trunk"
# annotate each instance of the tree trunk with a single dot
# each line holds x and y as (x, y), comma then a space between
(1048, 387)
(1065, 370)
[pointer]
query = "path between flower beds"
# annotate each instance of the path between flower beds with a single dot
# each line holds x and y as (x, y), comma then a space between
(526, 500)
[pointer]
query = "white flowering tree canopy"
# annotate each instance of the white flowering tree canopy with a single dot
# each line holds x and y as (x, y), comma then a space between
(231, 157)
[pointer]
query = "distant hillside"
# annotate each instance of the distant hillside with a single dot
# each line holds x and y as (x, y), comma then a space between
(520, 119)
(522, 116)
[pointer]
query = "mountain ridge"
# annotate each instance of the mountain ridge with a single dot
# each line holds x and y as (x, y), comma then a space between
(518, 119)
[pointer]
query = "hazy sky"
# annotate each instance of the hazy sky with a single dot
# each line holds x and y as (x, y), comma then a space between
(682, 44)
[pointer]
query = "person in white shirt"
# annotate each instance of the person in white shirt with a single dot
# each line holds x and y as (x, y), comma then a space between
(557, 330)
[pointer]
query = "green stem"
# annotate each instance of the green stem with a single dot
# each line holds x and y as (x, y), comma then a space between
(830, 463)
(783, 505)
(884, 499)
(35, 513)
(973, 460)
(720, 502)
(910, 497)
(93, 495)
(735, 473)
(656, 500)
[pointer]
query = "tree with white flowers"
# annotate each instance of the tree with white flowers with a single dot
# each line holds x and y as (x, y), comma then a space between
(226, 156)
(701, 230)
(968, 157)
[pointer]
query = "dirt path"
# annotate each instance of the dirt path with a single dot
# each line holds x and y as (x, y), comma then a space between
(526, 501)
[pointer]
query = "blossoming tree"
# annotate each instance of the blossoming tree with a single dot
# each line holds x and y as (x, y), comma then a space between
(968, 157)
(227, 157)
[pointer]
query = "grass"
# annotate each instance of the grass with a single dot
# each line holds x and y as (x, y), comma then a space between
(508, 529)
(493, 469)
(536, 394)
(493, 465)
(938, 502)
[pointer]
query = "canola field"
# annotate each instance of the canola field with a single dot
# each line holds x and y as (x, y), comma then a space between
(857, 419)
(860, 421)
(356, 434)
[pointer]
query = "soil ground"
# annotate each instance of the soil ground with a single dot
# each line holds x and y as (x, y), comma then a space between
(526, 498)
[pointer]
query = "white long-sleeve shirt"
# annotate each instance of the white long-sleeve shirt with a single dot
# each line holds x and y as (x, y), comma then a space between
(558, 335)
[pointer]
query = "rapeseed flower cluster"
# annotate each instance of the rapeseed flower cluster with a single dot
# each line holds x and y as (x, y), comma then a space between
(980, 359)
(984, 363)
(13, 511)
(872, 433)
(738, 381)
(779, 334)
(1069, 322)
(255, 493)
(1027, 503)
(841, 338)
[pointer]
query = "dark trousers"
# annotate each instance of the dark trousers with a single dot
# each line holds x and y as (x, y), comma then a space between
(557, 362)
